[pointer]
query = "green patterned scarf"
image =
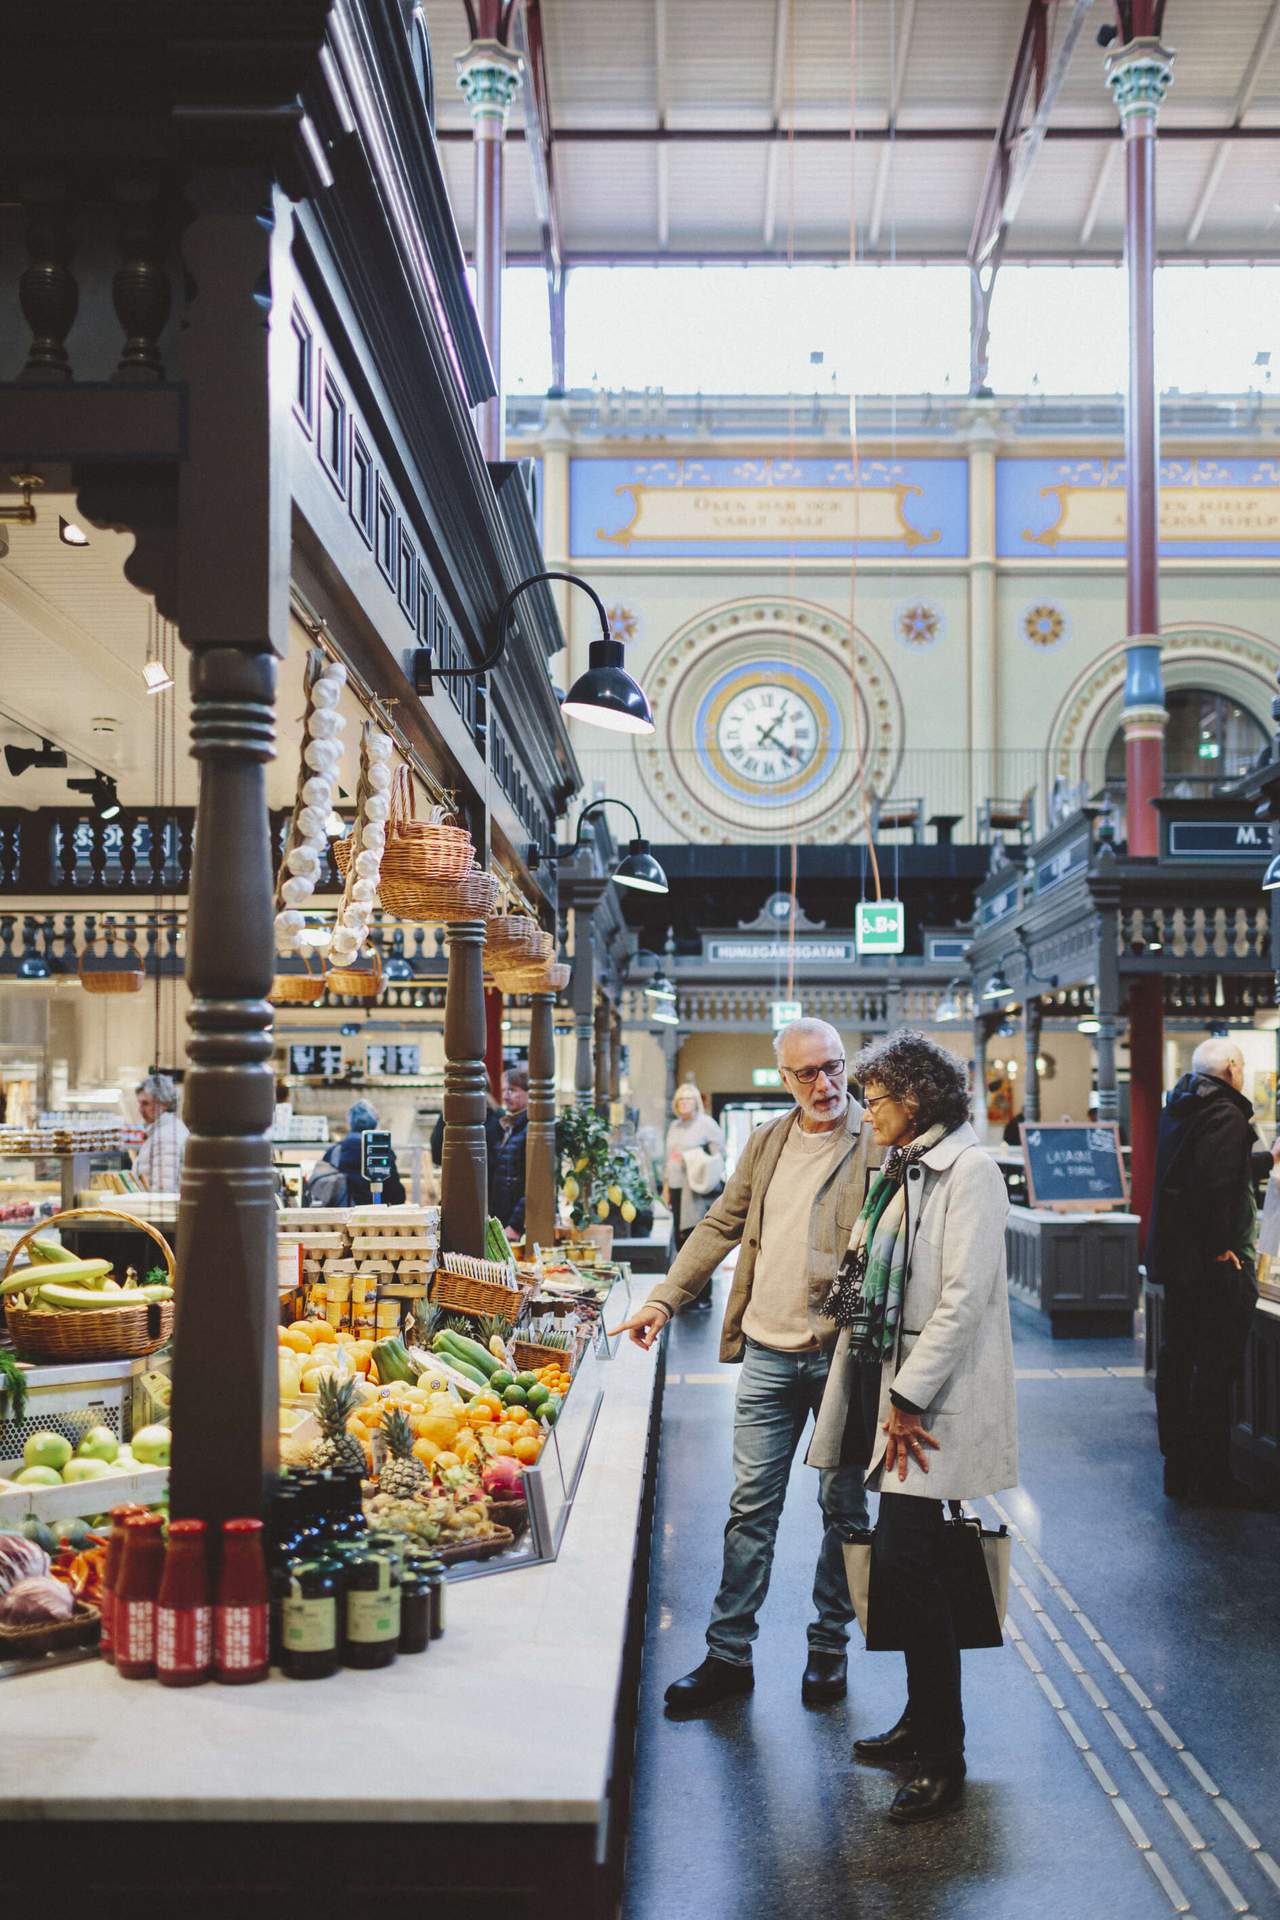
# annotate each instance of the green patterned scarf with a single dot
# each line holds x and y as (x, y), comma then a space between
(866, 1295)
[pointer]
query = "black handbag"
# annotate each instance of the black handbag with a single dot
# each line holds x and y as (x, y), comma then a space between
(975, 1574)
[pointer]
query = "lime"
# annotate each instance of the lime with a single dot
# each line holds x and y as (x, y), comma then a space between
(537, 1396)
(526, 1380)
(515, 1396)
(501, 1380)
(549, 1413)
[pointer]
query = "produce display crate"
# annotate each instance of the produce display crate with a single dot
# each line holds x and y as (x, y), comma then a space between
(71, 1399)
(145, 1485)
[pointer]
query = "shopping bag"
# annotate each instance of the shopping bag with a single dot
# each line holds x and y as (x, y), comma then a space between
(975, 1573)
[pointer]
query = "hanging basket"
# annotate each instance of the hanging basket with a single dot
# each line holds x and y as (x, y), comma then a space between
(354, 983)
(342, 851)
(305, 989)
(111, 979)
(508, 938)
(109, 1333)
(421, 856)
(472, 898)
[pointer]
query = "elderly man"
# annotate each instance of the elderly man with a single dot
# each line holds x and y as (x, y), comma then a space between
(158, 1162)
(1200, 1249)
(789, 1206)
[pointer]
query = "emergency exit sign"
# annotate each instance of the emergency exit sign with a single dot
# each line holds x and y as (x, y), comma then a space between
(784, 1012)
(880, 926)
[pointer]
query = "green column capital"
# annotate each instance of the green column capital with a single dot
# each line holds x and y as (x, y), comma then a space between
(1139, 75)
(489, 75)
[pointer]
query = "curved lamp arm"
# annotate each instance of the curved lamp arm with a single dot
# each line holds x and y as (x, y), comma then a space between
(594, 807)
(499, 646)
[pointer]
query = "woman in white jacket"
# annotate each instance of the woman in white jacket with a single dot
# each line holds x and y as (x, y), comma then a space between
(922, 1298)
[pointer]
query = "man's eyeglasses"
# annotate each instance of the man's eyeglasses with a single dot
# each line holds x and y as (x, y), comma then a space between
(807, 1075)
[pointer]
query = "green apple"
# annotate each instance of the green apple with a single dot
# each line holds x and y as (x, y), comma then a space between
(46, 1450)
(37, 1477)
(150, 1445)
(89, 1469)
(98, 1444)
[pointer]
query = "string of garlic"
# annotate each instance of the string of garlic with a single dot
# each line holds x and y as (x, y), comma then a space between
(308, 837)
(368, 840)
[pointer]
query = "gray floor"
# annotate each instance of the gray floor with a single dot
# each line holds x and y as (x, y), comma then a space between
(1124, 1747)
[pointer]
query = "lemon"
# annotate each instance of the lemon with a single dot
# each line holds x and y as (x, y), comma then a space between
(571, 1189)
(615, 1194)
(627, 1211)
(602, 1209)
(580, 1166)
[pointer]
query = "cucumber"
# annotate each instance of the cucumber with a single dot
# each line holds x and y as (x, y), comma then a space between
(472, 1350)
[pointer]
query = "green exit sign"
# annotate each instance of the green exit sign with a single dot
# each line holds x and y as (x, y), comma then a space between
(766, 1077)
(881, 926)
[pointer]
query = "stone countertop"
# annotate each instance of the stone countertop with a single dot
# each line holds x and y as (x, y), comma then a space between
(509, 1718)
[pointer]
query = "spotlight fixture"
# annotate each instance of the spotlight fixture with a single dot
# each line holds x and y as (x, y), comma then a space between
(997, 987)
(101, 789)
(1087, 1025)
(70, 534)
(18, 759)
(637, 868)
(397, 968)
(665, 1014)
(1270, 879)
(660, 988)
(348, 1029)
(33, 966)
(605, 695)
(948, 1007)
(157, 676)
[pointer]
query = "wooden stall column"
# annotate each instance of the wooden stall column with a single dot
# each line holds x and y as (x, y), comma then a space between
(464, 1167)
(584, 996)
(540, 1140)
(603, 1036)
(615, 1058)
(226, 1436)
(1108, 1002)
(980, 1077)
(1031, 1013)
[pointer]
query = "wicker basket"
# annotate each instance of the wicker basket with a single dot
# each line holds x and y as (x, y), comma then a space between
(109, 1333)
(305, 989)
(476, 1297)
(542, 979)
(80, 1629)
(341, 851)
(111, 979)
(421, 856)
(530, 1356)
(471, 898)
(353, 983)
(508, 937)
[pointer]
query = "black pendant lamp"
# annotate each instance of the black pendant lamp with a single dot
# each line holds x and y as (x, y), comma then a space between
(637, 868)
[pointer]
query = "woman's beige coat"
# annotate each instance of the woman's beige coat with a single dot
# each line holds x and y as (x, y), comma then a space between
(955, 1356)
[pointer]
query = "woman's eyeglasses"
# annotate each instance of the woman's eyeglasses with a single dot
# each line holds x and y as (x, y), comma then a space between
(872, 1101)
(807, 1075)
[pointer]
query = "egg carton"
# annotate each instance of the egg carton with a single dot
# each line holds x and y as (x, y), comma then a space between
(394, 1219)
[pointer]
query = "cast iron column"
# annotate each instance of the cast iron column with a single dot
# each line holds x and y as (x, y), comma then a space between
(1139, 75)
(489, 74)
(980, 1075)
(583, 990)
(464, 1168)
(1031, 1043)
(615, 1056)
(540, 1141)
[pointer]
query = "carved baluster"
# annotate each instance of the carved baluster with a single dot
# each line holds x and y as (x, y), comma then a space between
(540, 1143)
(140, 288)
(227, 1215)
(47, 289)
(584, 994)
(464, 1170)
(603, 1031)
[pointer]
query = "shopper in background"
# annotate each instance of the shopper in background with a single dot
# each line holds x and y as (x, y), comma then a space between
(345, 1155)
(507, 1154)
(1201, 1247)
(789, 1207)
(923, 1305)
(158, 1163)
(692, 1131)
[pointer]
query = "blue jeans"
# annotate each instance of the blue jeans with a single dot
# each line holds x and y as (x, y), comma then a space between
(776, 1395)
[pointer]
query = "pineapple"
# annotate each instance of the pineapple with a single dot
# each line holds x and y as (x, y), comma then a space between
(403, 1474)
(494, 1332)
(336, 1447)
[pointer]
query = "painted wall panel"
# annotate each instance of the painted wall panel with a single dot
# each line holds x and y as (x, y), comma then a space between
(1075, 509)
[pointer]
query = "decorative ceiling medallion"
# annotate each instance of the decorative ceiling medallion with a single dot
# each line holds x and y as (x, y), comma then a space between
(1044, 625)
(772, 720)
(623, 624)
(918, 624)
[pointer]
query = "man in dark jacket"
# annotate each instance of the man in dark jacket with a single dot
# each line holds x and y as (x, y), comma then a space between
(345, 1156)
(1200, 1249)
(506, 1157)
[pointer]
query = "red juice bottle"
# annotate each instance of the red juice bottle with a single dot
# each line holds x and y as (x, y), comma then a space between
(184, 1618)
(138, 1584)
(240, 1614)
(110, 1575)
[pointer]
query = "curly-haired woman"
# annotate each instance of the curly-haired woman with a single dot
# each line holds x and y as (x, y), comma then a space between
(922, 1298)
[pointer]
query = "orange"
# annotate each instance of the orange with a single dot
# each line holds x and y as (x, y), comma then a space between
(322, 1333)
(479, 1414)
(526, 1451)
(426, 1450)
(509, 1430)
(489, 1399)
(297, 1339)
(440, 1427)
(503, 1448)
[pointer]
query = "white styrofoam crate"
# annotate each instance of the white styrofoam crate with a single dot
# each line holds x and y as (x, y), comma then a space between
(143, 1484)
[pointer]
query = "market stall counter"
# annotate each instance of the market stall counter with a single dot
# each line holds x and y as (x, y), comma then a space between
(494, 1767)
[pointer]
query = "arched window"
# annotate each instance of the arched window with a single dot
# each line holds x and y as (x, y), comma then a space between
(1209, 738)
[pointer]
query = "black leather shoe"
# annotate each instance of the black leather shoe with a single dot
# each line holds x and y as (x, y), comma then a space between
(933, 1791)
(893, 1749)
(825, 1679)
(707, 1685)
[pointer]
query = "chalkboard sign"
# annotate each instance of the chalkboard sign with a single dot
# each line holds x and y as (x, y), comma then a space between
(1075, 1167)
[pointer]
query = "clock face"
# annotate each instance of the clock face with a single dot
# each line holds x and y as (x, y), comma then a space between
(768, 732)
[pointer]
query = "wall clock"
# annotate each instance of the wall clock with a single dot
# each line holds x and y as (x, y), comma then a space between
(768, 731)
(773, 719)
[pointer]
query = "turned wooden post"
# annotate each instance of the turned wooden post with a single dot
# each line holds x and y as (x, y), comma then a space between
(224, 1360)
(540, 1141)
(615, 1056)
(584, 998)
(604, 1034)
(464, 1170)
